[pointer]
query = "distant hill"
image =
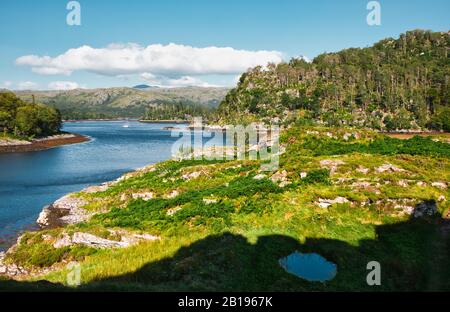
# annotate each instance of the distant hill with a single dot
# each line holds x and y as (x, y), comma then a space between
(144, 87)
(398, 83)
(124, 102)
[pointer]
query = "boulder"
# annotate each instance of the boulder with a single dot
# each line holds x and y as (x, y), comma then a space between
(325, 203)
(440, 185)
(173, 194)
(192, 175)
(331, 164)
(279, 176)
(388, 168)
(362, 169)
(146, 196)
(259, 176)
(64, 211)
(90, 240)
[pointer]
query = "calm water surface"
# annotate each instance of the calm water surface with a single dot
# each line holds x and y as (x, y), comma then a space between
(309, 266)
(29, 181)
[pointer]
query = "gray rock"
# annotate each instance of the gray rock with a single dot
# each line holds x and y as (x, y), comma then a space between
(325, 203)
(66, 210)
(259, 176)
(363, 170)
(331, 164)
(90, 240)
(441, 185)
(145, 196)
(388, 168)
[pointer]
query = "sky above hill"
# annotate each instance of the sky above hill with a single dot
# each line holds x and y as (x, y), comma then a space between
(185, 42)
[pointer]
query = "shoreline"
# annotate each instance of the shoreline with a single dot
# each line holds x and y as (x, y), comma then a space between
(165, 121)
(44, 143)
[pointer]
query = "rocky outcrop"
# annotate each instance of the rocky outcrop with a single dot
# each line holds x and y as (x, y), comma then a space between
(145, 196)
(362, 169)
(331, 164)
(280, 177)
(388, 168)
(90, 240)
(259, 176)
(325, 203)
(64, 211)
(12, 269)
(440, 185)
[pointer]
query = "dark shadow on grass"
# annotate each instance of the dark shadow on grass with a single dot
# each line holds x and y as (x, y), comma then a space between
(414, 256)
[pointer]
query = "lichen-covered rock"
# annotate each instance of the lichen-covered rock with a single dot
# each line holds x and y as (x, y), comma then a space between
(259, 176)
(90, 240)
(362, 169)
(280, 177)
(11, 270)
(96, 188)
(190, 176)
(388, 168)
(64, 211)
(325, 203)
(145, 196)
(173, 194)
(440, 185)
(331, 164)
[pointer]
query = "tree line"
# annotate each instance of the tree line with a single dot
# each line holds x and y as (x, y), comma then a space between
(396, 84)
(23, 119)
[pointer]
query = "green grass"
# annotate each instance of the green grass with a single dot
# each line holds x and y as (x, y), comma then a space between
(230, 229)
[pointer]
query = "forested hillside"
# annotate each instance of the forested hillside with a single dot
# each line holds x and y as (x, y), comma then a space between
(22, 119)
(396, 84)
(127, 102)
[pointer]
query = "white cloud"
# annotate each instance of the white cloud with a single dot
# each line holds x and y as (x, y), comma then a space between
(183, 81)
(170, 60)
(27, 85)
(6, 84)
(63, 85)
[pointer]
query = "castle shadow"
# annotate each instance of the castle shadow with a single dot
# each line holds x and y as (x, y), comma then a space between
(414, 256)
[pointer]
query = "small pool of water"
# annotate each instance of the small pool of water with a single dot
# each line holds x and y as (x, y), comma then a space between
(310, 266)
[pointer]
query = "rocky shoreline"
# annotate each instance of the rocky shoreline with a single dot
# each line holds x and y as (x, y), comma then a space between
(69, 210)
(20, 146)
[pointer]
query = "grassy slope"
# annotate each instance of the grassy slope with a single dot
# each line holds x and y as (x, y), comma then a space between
(235, 242)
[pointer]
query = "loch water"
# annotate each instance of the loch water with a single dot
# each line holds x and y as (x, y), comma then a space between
(29, 181)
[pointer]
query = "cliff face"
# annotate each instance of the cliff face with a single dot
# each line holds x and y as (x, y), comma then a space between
(395, 84)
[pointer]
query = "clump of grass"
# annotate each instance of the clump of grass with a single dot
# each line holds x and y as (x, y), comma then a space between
(33, 251)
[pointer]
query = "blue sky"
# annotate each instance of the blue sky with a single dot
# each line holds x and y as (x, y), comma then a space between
(256, 30)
